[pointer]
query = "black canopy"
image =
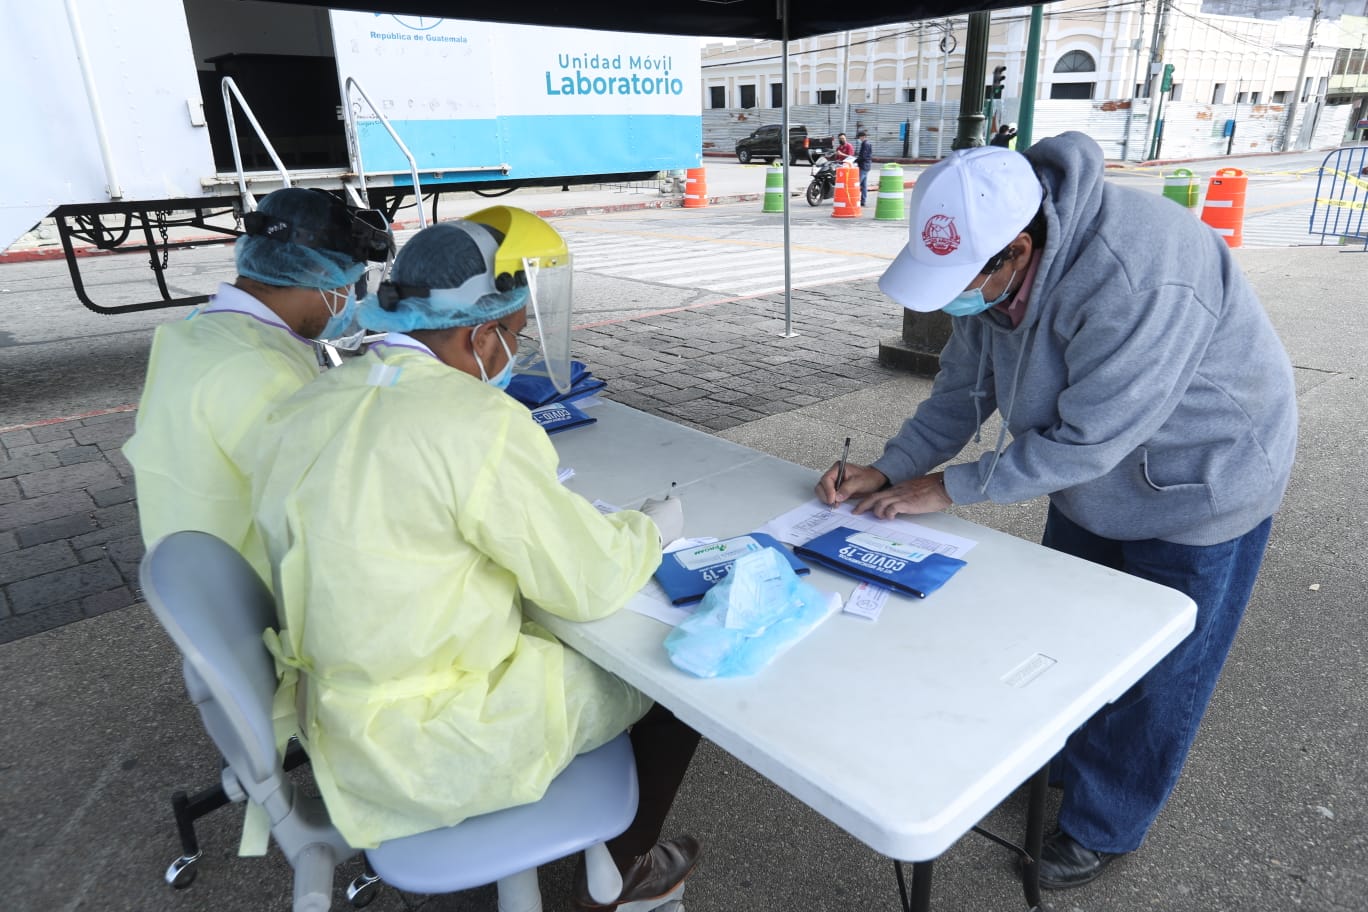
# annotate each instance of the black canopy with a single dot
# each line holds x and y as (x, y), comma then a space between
(720, 18)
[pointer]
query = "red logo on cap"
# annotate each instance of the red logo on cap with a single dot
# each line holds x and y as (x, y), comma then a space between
(939, 235)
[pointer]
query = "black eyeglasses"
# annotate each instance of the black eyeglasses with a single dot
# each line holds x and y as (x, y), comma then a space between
(521, 335)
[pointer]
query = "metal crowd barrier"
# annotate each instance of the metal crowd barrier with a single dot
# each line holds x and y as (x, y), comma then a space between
(1342, 197)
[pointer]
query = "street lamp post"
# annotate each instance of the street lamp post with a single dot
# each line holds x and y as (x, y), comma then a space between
(970, 132)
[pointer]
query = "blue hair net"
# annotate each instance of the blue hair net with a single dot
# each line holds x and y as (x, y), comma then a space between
(445, 277)
(288, 264)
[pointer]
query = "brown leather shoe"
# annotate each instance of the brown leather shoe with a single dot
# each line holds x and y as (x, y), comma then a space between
(651, 876)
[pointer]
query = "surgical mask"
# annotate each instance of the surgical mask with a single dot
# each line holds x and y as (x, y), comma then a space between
(968, 303)
(505, 376)
(341, 315)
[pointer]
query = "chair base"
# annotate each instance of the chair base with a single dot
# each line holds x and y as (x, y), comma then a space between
(186, 809)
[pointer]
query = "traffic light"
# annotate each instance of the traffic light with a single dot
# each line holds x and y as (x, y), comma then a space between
(999, 75)
(1166, 81)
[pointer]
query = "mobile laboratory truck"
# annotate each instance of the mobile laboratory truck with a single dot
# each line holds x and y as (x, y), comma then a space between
(135, 124)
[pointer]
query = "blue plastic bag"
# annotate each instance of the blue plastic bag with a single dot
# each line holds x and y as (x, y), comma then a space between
(759, 610)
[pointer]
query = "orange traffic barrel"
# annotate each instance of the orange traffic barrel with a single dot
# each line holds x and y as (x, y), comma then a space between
(1224, 207)
(695, 189)
(846, 198)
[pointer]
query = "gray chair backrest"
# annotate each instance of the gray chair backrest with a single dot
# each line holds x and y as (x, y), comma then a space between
(215, 608)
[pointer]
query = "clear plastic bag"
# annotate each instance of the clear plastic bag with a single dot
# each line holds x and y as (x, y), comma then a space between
(749, 618)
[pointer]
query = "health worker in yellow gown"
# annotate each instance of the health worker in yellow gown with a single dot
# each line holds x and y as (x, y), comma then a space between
(409, 505)
(211, 378)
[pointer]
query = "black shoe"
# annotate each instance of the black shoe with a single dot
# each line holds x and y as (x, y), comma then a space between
(1064, 863)
(654, 875)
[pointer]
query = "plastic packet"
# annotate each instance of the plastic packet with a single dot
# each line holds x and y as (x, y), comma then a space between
(749, 618)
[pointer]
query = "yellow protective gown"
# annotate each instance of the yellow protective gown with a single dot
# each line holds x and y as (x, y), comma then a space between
(210, 381)
(409, 507)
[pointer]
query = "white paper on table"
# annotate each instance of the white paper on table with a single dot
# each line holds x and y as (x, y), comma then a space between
(680, 543)
(867, 601)
(802, 524)
(652, 600)
(588, 402)
(654, 603)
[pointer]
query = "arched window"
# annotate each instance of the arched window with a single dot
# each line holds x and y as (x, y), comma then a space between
(1076, 62)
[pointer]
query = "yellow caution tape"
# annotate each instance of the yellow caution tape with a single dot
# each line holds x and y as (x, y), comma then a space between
(1342, 204)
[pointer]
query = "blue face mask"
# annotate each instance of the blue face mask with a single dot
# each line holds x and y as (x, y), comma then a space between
(968, 303)
(341, 319)
(504, 376)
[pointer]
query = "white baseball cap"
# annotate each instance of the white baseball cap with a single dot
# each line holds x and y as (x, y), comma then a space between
(965, 210)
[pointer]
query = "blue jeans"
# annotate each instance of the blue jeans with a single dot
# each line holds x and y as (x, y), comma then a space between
(1120, 767)
(864, 178)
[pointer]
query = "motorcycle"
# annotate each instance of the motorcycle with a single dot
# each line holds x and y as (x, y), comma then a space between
(823, 185)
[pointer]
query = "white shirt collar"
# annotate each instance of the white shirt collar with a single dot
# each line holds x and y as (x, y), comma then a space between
(234, 300)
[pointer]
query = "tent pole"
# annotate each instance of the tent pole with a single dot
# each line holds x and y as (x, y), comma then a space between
(787, 156)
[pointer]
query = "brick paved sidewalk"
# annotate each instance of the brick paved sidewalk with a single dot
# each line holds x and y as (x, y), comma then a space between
(69, 542)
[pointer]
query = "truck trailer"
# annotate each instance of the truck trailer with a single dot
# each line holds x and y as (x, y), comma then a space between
(138, 124)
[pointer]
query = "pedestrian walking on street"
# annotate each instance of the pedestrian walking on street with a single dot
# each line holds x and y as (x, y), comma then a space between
(865, 159)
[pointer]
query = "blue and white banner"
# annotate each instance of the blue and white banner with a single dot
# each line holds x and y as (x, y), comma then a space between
(549, 102)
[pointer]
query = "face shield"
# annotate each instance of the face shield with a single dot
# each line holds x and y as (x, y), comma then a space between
(549, 307)
(534, 254)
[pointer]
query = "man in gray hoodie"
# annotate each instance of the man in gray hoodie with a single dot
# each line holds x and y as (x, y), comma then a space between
(1147, 396)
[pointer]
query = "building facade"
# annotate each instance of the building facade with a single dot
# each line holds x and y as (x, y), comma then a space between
(1088, 51)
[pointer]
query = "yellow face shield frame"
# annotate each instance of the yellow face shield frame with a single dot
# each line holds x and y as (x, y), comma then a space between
(527, 237)
(533, 254)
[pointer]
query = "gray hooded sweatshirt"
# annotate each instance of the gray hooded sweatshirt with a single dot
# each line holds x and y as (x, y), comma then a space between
(1145, 389)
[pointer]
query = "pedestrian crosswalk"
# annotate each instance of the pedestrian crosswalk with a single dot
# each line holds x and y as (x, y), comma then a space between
(727, 266)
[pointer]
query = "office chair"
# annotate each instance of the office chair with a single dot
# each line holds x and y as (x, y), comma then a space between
(215, 608)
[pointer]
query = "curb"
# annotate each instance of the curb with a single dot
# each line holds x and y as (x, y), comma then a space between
(48, 253)
(34, 254)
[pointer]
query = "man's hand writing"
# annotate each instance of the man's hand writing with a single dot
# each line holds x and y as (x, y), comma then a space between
(858, 480)
(916, 495)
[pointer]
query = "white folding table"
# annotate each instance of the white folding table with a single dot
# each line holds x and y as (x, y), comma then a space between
(908, 730)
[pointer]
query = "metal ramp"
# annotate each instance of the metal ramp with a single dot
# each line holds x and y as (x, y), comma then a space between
(1337, 215)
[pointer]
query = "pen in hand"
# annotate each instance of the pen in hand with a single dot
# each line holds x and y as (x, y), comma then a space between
(841, 466)
(671, 491)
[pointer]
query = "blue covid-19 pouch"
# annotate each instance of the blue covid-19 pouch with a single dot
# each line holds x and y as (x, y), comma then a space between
(534, 390)
(881, 560)
(560, 416)
(687, 574)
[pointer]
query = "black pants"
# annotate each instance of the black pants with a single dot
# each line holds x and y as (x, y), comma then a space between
(663, 747)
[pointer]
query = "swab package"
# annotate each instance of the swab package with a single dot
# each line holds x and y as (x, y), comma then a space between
(749, 618)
